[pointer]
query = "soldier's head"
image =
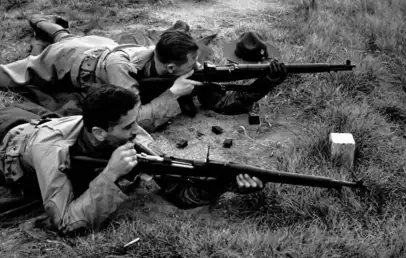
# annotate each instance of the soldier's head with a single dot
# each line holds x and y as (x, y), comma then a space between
(175, 53)
(110, 113)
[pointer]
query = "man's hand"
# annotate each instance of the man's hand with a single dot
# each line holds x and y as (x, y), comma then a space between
(277, 71)
(246, 181)
(183, 86)
(122, 161)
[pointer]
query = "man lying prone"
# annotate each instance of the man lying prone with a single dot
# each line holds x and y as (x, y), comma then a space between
(35, 160)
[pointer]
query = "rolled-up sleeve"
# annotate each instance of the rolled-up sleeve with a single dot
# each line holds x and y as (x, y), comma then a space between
(67, 212)
(153, 114)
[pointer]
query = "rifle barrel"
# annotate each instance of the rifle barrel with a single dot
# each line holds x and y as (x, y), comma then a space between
(318, 67)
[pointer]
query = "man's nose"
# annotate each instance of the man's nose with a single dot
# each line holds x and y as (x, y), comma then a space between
(134, 132)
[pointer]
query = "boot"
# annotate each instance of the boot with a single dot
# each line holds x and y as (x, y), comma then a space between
(47, 27)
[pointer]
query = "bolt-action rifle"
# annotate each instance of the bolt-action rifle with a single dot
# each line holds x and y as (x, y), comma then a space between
(193, 169)
(212, 75)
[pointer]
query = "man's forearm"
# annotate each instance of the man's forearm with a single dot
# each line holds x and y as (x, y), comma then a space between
(159, 111)
(90, 210)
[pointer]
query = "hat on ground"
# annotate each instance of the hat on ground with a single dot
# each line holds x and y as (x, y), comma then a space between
(250, 47)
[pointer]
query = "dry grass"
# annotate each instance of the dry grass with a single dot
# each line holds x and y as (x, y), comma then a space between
(281, 221)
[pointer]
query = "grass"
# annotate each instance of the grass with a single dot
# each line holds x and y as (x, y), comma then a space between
(281, 220)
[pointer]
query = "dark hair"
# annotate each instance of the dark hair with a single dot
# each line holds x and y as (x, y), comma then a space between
(104, 106)
(173, 46)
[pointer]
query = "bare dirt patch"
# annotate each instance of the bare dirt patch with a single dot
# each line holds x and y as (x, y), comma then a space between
(253, 144)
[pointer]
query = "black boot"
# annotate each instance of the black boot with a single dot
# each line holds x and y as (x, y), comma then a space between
(46, 27)
(42, 30)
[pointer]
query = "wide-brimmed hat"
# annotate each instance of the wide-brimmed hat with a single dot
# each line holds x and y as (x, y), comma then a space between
(250, 47)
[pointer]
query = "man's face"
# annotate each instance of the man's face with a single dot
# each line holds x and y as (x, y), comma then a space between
(190, 64)
(125, 130)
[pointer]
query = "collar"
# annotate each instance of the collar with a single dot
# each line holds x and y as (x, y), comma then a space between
(150, 70)
(84, 146)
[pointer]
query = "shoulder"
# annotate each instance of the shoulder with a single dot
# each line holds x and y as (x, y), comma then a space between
(132, 53)
(64, 129)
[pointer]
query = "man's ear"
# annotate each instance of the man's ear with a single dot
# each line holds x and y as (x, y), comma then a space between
(99, 133)
(171, 68)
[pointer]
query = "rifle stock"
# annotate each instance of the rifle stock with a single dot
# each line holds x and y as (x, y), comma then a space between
(171, 166)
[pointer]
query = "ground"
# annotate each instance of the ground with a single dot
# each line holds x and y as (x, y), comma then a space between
(281, 220)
